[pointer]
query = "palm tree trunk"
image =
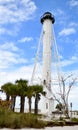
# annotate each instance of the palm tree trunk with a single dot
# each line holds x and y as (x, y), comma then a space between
(22, 104)
(14, 100)
(7, 97)
(29, 105)
(36, 104)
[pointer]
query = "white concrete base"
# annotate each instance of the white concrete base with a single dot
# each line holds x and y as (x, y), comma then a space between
(47, 103)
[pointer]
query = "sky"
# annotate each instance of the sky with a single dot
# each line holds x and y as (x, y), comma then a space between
(20, 30)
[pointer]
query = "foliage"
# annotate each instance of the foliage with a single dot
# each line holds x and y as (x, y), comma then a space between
(11, 92)
(13, 120)
(74, 119)
(5, 104)
(30, 93)
(38, 90)
(22, 89)
(55, 123)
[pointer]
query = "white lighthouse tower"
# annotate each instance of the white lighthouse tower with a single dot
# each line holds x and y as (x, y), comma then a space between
(47, 101)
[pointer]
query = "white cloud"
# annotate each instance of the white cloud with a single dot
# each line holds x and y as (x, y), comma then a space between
(74, 58)
(9, 55)
(67, 31)
(73, 24)
(25, 39)
(61, 16)
(16, 11)
(60, 12)
(23, 72)
(2, 31)
(5, 31)
(9, 46)
(9, 31)
(73, 96)
(73, 3)
(4, 1)
(68, 62)
(8, 59)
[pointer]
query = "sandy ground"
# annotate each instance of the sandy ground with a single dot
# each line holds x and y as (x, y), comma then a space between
(50, 128)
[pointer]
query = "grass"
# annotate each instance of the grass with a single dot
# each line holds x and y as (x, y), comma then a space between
(74, 119)
(14, 120)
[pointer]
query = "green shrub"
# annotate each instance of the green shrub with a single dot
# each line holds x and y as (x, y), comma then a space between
(55, 123)
(74, 119)
(61, 118)
(30, 120)
(13, 120)
(62, 123)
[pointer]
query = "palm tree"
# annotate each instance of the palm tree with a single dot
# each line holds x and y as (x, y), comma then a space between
(6, 89)
(29, 95)
(22, 91)
(38, 90)
(10, 89)
(13, 92)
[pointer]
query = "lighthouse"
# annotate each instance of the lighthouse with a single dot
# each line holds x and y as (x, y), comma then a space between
(47, 21)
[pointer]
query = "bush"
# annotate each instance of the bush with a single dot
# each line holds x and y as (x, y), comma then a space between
(55, 123)
(13, 120)
(74, 119)
(31, 120)
(4, 117)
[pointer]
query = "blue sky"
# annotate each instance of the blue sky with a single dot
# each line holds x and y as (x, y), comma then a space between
(20, 30)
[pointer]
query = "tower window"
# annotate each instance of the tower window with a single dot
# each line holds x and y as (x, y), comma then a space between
(44, 82)
(46, 105)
